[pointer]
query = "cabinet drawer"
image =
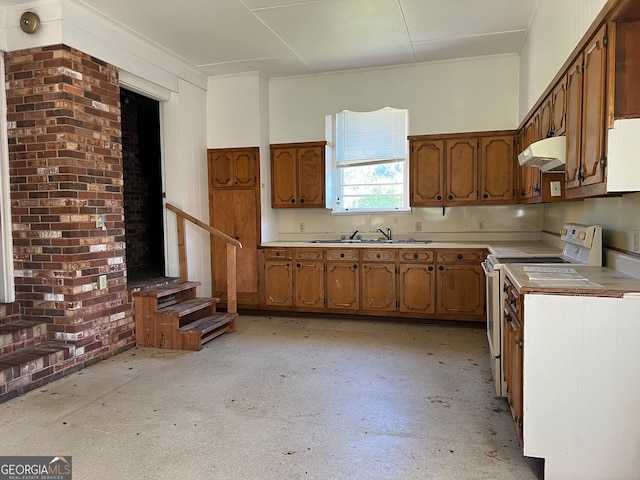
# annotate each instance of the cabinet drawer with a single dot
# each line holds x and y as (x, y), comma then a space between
(337, 254)
(454, 256)
(309, 254)
(277, 253)
(379, 255)
(512, 298)
(416, 256)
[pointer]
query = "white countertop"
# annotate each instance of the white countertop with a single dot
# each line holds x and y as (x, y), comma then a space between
(551, 278)
(503, 248)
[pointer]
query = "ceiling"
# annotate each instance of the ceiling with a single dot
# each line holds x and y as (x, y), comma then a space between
(293, 37)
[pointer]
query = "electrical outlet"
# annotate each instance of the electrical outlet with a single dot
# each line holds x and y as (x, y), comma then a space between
(636, 240)
(480, 225)
(301, 226)
(418, 226)
(101, 221)
(102, 282)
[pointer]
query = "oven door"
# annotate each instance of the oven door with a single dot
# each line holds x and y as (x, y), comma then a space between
(494, 323)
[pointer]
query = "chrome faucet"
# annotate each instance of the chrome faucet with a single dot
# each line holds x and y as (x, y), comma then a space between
(353, 235)
(386, 235)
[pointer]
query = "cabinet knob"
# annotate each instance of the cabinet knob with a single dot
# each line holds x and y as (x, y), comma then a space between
(507, 317)
(431, 269)
(298, 265)
(378, 255)
(440, 268)
(342, 255)
(486, 195)
(293, 200)
(355, 266)
(520, 344)
(459, 256)
(302, 200)
(439, 197)
(450, 197)
(415, 255)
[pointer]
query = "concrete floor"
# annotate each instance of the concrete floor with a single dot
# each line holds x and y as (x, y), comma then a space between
(282, 398)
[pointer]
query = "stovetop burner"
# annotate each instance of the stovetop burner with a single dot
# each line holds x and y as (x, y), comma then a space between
(531, 260)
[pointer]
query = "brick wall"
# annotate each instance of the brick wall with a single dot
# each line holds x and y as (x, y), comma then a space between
(65, 164)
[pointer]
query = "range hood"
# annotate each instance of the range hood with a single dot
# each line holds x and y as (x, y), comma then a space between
(548, 154)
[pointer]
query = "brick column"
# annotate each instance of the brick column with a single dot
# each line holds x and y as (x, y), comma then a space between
(65, 161)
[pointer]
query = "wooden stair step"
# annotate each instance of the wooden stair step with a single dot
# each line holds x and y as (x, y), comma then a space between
(21, 369)
(196, 333)
(165, 290)
(20, 334)
(189, 306)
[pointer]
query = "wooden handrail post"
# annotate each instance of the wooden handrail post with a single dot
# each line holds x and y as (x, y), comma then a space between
(232, 298)
(182, 249)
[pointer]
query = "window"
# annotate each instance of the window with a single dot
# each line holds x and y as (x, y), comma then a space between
(370, 168)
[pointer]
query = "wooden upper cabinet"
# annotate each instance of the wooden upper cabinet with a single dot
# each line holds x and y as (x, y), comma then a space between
(462, 170)
(232, 167)
(586, 118)
(558, 108)
(497, 168)
(298, 175)
(546, 117)
(593, 110)
(427, 173)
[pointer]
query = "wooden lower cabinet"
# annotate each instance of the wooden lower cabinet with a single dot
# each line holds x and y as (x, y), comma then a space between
(308, 273)
(343, 279)
(278, 278)
(460, 284)
(513, 352)
(417, 283)
(378, 281)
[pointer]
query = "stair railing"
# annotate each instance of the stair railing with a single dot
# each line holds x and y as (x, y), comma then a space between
(232, 244)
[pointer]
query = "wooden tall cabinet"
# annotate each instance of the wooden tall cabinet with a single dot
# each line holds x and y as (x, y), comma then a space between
(298, 175)
(234, 209)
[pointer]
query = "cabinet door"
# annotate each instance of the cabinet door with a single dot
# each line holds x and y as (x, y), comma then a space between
(235, 212)
(278, 283)
(309, 284)
(232, 167)
(379, 287)
(558, 108)
(220, 168)
(573, 123)
(546, 117)
(497, 168)
(283, 177)
(426, 166)
(343, 285)
(417, 289)
(462, 170)
(460, 291)
(593, 110)
(311, 174)
(244, 168)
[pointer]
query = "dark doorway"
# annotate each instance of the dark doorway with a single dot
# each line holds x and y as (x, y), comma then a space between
(143, 216)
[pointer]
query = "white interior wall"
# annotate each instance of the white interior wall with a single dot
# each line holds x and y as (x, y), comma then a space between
(185, 179)
(442, 97)
(555, 31)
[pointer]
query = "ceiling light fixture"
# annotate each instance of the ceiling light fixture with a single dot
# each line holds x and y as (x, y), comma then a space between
(29, 22)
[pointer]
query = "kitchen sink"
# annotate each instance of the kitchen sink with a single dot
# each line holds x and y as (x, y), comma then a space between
(372, 242)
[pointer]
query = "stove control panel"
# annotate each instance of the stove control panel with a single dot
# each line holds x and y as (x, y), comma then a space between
(583, 235)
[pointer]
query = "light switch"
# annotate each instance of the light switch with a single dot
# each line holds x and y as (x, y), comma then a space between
(556, 189)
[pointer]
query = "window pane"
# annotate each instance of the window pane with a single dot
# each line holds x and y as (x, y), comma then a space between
(373, 202)
(370, 174)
